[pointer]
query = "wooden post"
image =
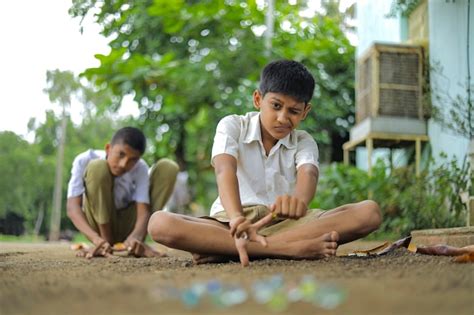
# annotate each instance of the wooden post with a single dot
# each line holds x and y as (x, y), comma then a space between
(417, 156)
(370, 146)
(346, 157)
(470, 212)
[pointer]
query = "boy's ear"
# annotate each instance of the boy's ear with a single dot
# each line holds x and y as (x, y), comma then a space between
(307, 108)
(107, 149)
(257, 99)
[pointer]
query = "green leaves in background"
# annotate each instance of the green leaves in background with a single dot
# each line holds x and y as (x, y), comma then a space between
(189, 63)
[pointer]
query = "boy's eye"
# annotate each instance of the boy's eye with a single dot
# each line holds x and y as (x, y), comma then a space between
(276, 105)
(295, 111)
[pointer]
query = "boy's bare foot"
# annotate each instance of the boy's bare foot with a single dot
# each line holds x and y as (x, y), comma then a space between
(200, 259)
(141, 249)
(323, 246)
(150, 252)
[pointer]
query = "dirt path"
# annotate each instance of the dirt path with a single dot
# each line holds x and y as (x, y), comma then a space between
(49, 279)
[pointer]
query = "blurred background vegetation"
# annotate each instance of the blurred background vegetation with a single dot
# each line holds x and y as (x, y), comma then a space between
(188, 63)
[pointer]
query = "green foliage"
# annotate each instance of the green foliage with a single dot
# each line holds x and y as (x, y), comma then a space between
(407, 202)
(28, 168)
(21, 239)
(189, 63)
(454, 113)
(403, 7)
(61, 86)
(25, 187)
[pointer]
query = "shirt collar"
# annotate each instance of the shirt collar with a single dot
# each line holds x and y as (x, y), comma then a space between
(254, 133)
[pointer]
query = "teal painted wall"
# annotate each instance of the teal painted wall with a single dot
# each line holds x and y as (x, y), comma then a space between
(448, 49)
(374, 26)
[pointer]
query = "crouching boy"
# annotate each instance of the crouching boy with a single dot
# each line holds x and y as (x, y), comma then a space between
(110, 193)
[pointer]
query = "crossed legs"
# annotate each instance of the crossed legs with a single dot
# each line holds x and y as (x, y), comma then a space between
(313, 240)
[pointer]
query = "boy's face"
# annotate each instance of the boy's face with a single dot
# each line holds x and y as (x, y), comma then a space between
(121, 158)
(279, 114)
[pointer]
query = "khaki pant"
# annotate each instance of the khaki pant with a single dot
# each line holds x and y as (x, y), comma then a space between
(277, 225)
(99, 205)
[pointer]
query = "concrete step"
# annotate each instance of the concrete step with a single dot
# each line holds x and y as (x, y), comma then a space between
(457, 237)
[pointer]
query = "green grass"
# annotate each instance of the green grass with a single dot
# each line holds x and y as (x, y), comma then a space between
(80, 238)
(21, 238)
(383, 236)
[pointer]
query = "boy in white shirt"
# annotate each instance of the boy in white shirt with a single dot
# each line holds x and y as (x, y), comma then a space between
(267, 173)
(109, 193)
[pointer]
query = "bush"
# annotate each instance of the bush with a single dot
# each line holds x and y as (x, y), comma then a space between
(408, 202)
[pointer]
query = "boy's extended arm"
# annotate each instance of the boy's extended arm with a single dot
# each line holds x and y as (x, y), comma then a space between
(228, 185)
(140, 229)
(295, 206)
(75, 213)
(306, 183)
(225, 166)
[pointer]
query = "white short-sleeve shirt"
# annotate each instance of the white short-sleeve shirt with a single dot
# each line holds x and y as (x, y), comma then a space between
(262, 178)
(133, 186)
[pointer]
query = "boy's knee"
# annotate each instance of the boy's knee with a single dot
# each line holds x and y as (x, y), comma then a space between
(373, 213)
(160, 228)
(166, 167)
(97, 171)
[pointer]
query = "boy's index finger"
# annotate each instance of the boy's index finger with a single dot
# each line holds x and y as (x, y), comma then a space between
(241, 246)
(97, 248)
(264, 221)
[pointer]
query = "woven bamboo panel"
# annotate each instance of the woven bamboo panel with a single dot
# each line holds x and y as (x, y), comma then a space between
(389, 82)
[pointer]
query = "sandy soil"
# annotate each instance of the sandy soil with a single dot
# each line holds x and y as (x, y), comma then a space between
(49, 279)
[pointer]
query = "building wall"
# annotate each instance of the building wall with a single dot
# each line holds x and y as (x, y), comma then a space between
(448, 49)
(447, 54)
(374, 26)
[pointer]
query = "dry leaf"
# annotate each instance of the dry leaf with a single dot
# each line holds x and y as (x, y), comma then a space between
(382, 249)
(412, 248)
(444, 250)
(469, 257)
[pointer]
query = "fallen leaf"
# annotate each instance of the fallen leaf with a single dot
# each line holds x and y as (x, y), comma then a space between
(412, 248)
(469, 257)
(444, 250)
(383, 249)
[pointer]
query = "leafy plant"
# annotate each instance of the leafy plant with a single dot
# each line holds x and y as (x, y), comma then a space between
(403, 7)
(189, 63)
(407, 202)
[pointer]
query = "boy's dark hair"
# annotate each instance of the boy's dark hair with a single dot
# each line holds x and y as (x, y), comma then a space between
(287, 77)
(131, 136)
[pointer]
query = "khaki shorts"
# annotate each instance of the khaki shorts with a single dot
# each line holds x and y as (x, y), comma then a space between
(277, 225)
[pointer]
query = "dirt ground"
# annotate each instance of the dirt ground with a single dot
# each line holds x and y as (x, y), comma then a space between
(49, 279)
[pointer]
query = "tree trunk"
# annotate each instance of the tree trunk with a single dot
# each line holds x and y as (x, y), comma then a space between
(39, 221)
(56, 213)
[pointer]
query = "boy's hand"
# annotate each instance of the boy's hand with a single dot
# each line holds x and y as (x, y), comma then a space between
(101, 249)
(134, 246)
(290, 207)
(244, 231)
